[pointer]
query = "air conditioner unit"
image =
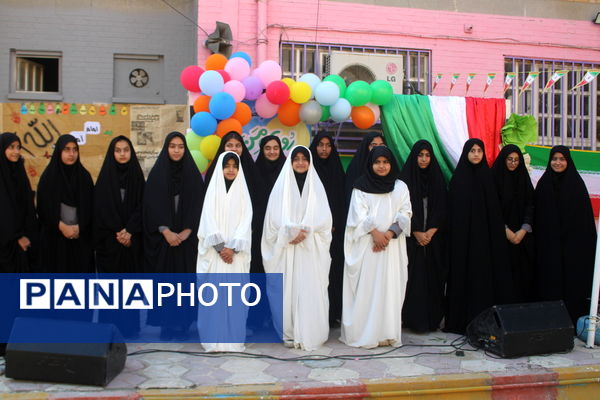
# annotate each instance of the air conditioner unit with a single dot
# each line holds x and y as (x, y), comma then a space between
(368, 67)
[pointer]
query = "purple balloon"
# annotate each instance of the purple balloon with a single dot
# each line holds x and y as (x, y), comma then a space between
(254, 87)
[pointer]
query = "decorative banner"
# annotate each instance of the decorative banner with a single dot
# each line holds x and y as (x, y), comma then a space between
(454, 80)
(38, 131)
(438, 78)
(528, 81)
(470, 78)
(508, 80)
(555, 78)
(488, 81)
(587, 78)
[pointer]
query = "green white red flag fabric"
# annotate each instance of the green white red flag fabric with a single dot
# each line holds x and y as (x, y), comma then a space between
(531, 77)
(555, 78)
(587, 78)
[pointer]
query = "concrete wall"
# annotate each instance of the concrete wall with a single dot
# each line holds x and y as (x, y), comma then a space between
(90, 32)
(453, 50)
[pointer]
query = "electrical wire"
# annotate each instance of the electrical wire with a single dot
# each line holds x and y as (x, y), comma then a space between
(455, 345)
(184, 16)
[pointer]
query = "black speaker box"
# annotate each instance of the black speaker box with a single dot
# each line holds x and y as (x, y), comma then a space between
(77, 363)
(516, 330)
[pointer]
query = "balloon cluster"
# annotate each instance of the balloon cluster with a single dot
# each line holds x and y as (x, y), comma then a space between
(224, 84)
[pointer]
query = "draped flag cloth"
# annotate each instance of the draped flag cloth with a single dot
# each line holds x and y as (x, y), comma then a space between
(485, 119)
(450, 116)
(407, 119)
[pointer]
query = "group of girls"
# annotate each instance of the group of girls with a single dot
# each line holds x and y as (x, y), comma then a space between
(375, 249)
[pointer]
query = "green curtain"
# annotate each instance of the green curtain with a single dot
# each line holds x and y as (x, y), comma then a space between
(407, 119)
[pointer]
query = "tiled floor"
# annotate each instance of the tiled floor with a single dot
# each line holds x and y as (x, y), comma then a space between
(417, 358)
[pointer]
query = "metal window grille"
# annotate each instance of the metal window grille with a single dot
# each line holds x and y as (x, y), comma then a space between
(298, 58)
(567, 117)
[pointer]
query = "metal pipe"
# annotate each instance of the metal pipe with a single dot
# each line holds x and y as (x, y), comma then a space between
(594, 301)
(261, 31)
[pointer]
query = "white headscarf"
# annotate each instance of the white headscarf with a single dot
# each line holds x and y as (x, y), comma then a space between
(226, 214)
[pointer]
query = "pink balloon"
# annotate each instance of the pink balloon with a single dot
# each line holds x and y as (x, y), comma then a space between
(269, 71)
(237, 68)
(236, 89)
(264, 108)
(189, 77)
(375, 109)
(254, 87)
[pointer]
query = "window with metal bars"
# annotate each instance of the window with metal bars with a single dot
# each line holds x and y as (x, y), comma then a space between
(565, 116)
(298, 58)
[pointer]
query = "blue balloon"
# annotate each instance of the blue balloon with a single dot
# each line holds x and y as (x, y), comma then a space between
(222, 105)
(243, 55)
(211, 83)
(327, 93)
(312, 79)
(341, 110)
(203, 124)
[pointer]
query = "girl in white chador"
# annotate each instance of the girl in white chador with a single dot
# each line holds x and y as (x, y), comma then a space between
(295, 242)
(225, 237)
(375, 272)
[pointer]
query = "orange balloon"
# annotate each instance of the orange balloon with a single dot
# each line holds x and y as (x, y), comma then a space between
(228, 125)
(242, 113)
(215, 62)
(363, 117)
(289, 113)
(201, 103)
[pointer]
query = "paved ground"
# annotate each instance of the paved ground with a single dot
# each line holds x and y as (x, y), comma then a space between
(422, 356)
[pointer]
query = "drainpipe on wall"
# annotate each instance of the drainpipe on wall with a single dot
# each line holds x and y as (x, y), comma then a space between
(261, 31)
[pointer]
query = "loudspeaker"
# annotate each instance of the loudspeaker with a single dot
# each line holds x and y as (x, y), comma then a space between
(516, 330)
(79, 363)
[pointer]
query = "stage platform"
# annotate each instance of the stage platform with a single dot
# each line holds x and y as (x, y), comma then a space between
(426, 367)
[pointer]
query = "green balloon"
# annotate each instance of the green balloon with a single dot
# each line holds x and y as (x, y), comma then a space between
(193, 140)
(381, 92)
(358, 93)
(325, 113)
(199, 159)
(339, 81)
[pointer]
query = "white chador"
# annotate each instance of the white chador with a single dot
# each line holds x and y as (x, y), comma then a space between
(226, 220)
(305, 266)
(375, 282)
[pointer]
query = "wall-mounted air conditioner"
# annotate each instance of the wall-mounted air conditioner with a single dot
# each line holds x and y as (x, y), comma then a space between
(367, 67)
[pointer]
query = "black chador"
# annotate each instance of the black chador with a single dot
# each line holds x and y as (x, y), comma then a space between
(479, 274)
(332, 176)
(65, 209)
(18, 229)
(171, 214)
(565, 235)
(516, 199)
(426, 247)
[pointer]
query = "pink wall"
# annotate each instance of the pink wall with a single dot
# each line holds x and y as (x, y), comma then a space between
(442, 32)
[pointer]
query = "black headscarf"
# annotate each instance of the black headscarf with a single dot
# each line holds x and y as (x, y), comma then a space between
(565, 236)
(425, 182)
(332, 175)
(269, 170)
(479, 272)
(111, 214)
(300, 176)
(514, 189)
(16, 203)
(370, 182)
(73, 186)
(226, 158)
(358, 164)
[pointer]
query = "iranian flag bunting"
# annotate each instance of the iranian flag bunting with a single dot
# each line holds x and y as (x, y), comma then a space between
(437, 80)
(508, 80)
(587, 78)
(528, 81)
(555, 78)
(488, 81)
(470, 78)
(454, 80)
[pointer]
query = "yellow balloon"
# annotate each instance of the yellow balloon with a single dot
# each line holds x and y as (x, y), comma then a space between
(300, 92)
(289, 81)
(209, 146)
